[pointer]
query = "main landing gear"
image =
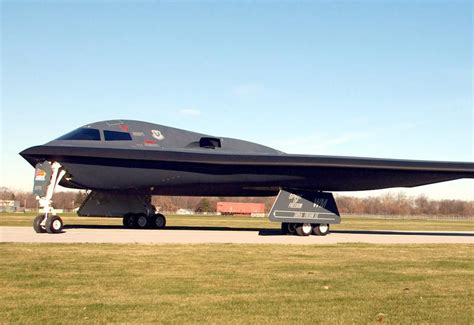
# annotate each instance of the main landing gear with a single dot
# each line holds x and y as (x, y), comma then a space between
(136, 210)
(142, 221)
(304, 229)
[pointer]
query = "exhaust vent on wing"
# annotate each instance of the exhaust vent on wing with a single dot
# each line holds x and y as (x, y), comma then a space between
(210, 143)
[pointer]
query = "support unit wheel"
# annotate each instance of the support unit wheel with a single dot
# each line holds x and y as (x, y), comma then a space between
(54, 225)
(292, 228)
(159, 221)
(288, 228)
(37, 224)
(304, 229)
(321, 229)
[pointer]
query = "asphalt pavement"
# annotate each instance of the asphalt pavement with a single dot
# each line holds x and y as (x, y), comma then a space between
(216, 235)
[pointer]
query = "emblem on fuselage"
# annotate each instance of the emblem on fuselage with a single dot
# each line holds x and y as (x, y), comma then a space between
(157, 135)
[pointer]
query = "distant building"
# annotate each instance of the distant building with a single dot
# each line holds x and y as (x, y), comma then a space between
(230, 208)
(184, 212)
(9, 206)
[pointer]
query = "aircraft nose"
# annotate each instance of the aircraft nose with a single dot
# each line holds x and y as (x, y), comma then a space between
(33, 154)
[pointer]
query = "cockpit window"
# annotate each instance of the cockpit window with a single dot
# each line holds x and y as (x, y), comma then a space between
(82, 134)
(117, 136)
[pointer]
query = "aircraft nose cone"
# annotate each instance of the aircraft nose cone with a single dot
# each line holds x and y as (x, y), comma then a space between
(33, 154)
(31, 151)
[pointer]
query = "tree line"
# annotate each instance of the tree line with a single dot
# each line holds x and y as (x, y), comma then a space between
(389, 204)
(61, 200)
(401, 204)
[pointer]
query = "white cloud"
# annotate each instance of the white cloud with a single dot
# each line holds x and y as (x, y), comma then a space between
(248, 89)
(190, 112)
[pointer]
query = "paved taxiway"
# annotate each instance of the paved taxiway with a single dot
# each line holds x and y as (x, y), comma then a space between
(183, 235)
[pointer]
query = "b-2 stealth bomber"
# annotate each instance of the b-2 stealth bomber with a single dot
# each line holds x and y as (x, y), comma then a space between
(123, 163)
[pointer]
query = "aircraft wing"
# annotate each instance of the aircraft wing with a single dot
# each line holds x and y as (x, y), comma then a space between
(265, 171)
(355, 174)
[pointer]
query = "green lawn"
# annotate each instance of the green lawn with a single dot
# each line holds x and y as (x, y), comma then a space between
(343, 284)
(348, 223)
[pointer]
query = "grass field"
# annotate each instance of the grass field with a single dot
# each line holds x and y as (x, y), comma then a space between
(238, 284)
(348, 223)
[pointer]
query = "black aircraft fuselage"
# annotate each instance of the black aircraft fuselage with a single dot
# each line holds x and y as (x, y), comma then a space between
(143, 158)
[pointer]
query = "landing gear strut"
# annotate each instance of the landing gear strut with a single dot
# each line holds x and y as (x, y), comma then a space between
(47, 177)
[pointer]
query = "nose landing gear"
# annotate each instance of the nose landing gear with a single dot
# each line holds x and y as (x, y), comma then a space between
(47, 177)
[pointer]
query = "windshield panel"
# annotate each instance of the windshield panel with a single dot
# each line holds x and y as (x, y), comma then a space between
(117, 136)
(85, 134)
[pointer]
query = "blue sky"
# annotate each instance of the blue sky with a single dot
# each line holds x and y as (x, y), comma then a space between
(381, 79)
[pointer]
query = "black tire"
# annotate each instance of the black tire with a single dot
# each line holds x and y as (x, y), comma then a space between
(152, 221)
(321, 229)
(40, 229)
(141, 221)
(129, 221)
(304, 229)
(125, 221)
(284, 228)
(292, 228)
(160, 221)
(54, 225)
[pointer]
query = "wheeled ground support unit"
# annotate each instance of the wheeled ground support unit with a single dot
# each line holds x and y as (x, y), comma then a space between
(305, 212)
